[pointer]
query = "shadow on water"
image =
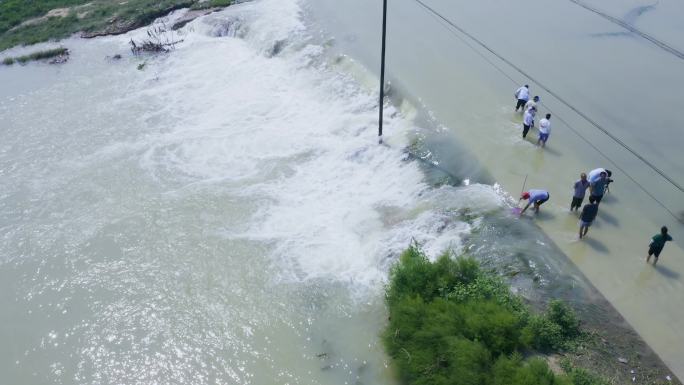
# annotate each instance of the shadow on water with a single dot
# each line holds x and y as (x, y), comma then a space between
(608, 218)
(596, 245)
(551, 151)
(609, 198)
(544, 215)
(667, 272)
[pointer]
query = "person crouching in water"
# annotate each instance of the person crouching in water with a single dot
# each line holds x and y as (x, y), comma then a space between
(588, 215)
(536, 197)
(657, 244)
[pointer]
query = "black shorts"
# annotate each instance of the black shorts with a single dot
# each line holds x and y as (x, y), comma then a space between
(597, 198)
(577, 202)
(542, 201)
(521, 103)
(655, 251)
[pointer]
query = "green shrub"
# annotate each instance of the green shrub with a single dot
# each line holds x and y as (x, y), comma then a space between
(562, 315)
(452, 323)
(583, 377)
(543, 334)
(8, 61)
(580, 376)
(495, 326)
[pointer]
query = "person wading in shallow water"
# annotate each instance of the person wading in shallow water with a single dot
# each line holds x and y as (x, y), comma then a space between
(536, 197)
(532, 103)
(598, 186)
(523, 95)
(657, 244)
(588, 215)
(544, 130)
(528, 120)
(580, 189)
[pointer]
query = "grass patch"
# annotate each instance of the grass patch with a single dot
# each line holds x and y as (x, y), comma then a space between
(453, 323)
(94, 18)
(38, 55)
(211, 4)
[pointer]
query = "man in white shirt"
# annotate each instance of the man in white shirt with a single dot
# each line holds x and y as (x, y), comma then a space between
(544, 130)
(532, 103)
(528, 120)
(523, 95)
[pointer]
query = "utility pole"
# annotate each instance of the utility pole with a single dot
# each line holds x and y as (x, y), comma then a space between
(382, 68)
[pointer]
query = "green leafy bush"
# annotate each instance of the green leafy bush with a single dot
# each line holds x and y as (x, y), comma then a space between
(452, 323)
(543, 334)
(562, 315)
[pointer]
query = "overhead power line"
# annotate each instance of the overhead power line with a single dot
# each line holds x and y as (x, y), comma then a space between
(631, 28)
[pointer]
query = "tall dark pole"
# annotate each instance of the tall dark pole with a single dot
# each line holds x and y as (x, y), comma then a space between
(382, 67)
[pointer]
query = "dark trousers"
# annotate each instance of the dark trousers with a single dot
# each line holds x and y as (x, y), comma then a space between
(597, 198)
(576, 202)
(526, 129)
(521, 104)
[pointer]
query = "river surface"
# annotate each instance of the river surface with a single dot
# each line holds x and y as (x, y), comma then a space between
(224, 215)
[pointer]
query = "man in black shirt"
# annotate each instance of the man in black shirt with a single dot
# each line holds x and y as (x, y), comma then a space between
(588, 215)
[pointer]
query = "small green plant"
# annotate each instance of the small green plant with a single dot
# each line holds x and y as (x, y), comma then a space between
(141, 66)
(543, 334)
(562, 315)
(211, 4)
(579, 376)
(38, 55)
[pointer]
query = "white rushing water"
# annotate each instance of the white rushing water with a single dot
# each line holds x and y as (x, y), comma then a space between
(221, 216)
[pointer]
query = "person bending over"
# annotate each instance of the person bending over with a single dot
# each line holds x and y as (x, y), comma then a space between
(536, 198)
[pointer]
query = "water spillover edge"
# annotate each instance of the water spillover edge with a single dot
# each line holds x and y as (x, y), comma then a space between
(234, 224)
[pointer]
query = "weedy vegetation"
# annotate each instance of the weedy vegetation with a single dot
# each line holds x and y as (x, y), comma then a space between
(453, 323)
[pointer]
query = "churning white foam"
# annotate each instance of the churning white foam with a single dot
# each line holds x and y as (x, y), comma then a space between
(257, 111)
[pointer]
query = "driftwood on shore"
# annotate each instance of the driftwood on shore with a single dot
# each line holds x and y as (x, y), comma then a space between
(159, 40)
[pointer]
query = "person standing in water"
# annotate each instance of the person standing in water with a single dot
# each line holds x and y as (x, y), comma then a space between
(588, 215)
(532, 103)
(657, 244)
(595, 174)
(598, 187)
(580, 189)
(544, 130)
(523, 95)
(536, 197)
(528, 120)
